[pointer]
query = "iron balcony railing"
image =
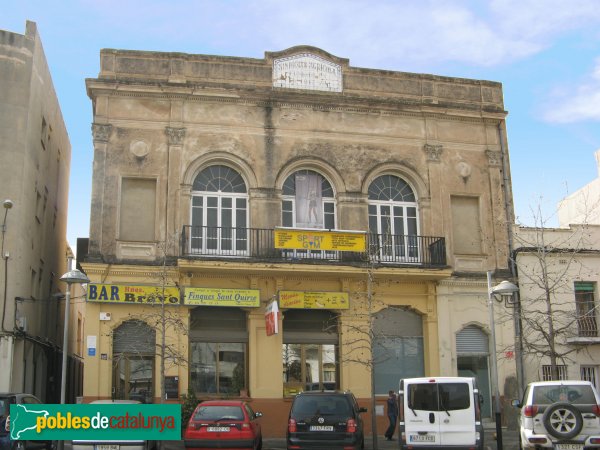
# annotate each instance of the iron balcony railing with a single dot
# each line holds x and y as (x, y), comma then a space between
(259, 243)
(587, 325)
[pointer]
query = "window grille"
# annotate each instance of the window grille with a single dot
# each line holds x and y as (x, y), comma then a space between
(547, 372)
(590, 373)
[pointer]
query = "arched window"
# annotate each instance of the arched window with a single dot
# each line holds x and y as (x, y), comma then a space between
(308, 201)
(393, 220)
(219, 212)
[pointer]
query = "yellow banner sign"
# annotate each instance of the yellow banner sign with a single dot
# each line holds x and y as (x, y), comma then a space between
(320, 240)
(247, 298)
(122, 293)
(313, 300)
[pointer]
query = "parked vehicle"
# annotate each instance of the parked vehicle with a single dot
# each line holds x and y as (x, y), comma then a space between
(440, 412)
(564, 415)
(230, 424)
(7, 399)
(325, 419)
(82, 444)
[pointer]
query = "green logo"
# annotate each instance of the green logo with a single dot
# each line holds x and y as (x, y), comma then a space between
(95, 422)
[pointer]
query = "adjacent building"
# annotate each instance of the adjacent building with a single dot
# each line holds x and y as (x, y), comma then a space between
(559, 271)
(35, 156)
(365, 205)
(583, 205)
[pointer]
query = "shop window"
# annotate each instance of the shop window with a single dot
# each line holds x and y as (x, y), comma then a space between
(218, 368)
(310, 351)
(218, 350)
(219, 212)
(393, 219)
(397, 347)
(138, 209)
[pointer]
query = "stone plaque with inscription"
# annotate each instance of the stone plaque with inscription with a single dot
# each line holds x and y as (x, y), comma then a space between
(307, 71)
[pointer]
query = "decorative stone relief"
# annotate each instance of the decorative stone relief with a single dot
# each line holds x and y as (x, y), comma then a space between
(464, 170)
(139, 149)
(101, 132)
(494, 158)
(434, 152)
(175, 135)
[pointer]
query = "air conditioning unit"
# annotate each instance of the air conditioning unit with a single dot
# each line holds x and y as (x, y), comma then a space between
(22, 324)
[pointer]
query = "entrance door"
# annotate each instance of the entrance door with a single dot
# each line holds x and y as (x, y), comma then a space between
(472, 361)
(133, 378)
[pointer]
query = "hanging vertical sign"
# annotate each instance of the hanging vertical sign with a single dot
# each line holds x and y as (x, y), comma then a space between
(272, 318)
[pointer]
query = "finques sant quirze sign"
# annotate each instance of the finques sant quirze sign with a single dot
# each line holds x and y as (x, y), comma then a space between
(295, 239)
(247, 298)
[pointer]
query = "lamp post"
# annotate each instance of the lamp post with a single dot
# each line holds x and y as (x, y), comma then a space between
(71, 277)
(504, 288)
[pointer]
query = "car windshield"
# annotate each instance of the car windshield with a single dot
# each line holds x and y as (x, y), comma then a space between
(322, 405)
(4, 406)
(215, 412)
(575, 394)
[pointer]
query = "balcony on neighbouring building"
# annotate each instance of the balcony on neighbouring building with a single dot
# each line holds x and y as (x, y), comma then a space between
(259, 244)
(587, 330)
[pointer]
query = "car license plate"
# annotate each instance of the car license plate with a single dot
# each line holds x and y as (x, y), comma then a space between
(421, 438)
(216, 429)
(107, 447)
(569, 447)
(321, 428)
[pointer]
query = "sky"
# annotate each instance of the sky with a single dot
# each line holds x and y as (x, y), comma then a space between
(546, 53)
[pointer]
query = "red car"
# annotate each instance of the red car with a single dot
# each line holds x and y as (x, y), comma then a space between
(223, 424)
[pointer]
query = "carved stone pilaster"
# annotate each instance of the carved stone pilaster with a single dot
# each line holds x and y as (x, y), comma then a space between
(175, 135)
(494, 158)
(434, 152)
(101, 132)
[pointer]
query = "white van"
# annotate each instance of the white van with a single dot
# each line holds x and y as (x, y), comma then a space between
(438, 412)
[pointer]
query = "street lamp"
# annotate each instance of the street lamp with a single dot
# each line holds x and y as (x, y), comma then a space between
(71, 277)
(504, 288)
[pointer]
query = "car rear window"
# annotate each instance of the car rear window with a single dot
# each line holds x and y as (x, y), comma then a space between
(219, 413)
(439, 396)
(323, 405)
(577, 395)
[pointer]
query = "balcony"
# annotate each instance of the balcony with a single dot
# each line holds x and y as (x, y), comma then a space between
(258, 244)
(587, 330)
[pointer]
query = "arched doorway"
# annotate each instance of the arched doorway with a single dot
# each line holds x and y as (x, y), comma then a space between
(133, 361)
(472, 350)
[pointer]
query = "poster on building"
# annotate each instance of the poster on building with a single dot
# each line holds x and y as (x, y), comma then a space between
(313, 300)
(246, 298)
(346, 241)
(123, 293)
(272, 318)
(309, 201)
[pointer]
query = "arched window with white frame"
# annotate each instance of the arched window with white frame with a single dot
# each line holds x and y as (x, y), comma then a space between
(219, 212)
(308, 201)
(393, 220)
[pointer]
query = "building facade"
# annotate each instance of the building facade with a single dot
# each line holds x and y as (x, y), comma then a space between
(559, 268)
(583, 205)
(35, 156)
(367, 204)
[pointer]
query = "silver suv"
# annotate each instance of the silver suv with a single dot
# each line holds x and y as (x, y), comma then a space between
(564, 415)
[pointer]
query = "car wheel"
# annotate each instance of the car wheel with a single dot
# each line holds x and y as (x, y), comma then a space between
(563, 420)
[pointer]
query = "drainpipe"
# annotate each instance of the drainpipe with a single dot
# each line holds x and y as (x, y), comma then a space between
(518, 324)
